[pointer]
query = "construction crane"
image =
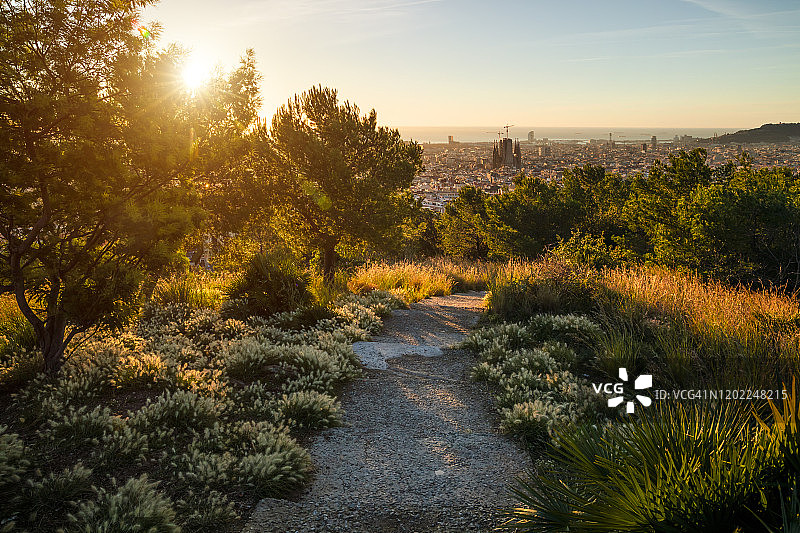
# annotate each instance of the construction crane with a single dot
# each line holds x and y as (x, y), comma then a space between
(499, 133)
(506, 128)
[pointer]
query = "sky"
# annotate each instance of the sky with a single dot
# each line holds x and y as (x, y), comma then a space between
(642, 63)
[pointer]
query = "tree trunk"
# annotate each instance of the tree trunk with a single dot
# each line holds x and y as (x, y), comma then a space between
(329, 257)
(50, 333)
(52, 344)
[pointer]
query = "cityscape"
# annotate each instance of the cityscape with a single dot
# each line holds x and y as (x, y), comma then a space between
(451, 165)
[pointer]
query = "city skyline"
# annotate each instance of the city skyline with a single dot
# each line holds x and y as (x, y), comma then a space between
(698, 63)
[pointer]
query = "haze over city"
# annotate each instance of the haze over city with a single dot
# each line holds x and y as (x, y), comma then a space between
(698, 63)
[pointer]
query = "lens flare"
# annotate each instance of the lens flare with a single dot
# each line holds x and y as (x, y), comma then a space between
(143, 31)
(195, 73)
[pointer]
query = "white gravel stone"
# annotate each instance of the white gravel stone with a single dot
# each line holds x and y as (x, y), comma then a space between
(374, 354)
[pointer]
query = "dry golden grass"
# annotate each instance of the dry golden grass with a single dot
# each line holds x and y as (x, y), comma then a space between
(713, 334)
(414, 281)
(705, 304)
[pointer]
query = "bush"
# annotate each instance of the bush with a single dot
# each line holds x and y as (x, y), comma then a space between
(532, 366)
(308, 317)
(80, 427)
(309, 409)
(181, 410)
(193, 290)
(205, 510)
(139, 371)
(266, 287)
(592, 251)
(676, 467)
(20, 367)
(258, 455)
(12, 462)
(408, 280)
(20, 361)
(251, 359)
(203, 429)
(55, 490)
(522, 290)
(136, 507)
(16, 333)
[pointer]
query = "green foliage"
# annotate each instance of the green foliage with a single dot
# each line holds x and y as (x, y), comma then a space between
(258, 455)
(55, 491)
(306, 317)
(16, 333)
(190, 289)
(176, 398)
(136, 506)
(677, 467)
(12, 462)
(620, 347)
(182, 410)
(120, 135)
(309, 409)
(79, 427)
(266, 287)
(462, 226)
(338, 174)
(419, 235)
(734, 223)
(205, 510)
(249, 359)
(548, 287)
(532, 365)
(592, 251)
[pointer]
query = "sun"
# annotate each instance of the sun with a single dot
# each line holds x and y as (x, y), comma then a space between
(196, 73)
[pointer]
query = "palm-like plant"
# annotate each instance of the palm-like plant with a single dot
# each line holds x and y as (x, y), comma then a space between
(675, 468)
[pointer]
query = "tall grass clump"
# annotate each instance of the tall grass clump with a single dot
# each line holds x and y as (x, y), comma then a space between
(410, 281)
(706, 332)
(707, 305)
(685, 330)
(519, 290)
(20, 361)
(533, 368)
(194, 289)
(415, 280)
(325, 294)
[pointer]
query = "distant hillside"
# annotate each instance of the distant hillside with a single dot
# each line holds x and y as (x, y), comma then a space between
(768, 133)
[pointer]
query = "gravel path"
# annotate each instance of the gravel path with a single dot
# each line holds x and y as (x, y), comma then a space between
(419, 452)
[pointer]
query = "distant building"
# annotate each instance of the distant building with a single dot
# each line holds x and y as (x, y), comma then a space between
(653, 142)
(506, 153)
(544, 151)
(449, 139)
(531, 137)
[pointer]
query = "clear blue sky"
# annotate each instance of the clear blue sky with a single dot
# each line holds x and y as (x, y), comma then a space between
(687, 63)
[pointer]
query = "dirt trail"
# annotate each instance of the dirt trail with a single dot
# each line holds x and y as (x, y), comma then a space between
(420, 452)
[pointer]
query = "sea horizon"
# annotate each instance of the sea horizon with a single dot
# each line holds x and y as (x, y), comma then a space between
(466, 134)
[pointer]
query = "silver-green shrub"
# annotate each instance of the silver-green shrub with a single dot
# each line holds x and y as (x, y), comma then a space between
(309, 409)
(532, 366)
(79, 427)
(135, 507)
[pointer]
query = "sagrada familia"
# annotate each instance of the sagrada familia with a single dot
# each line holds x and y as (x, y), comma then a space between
(506, 153)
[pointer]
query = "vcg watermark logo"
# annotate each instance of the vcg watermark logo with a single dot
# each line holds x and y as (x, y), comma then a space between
(645, 381)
